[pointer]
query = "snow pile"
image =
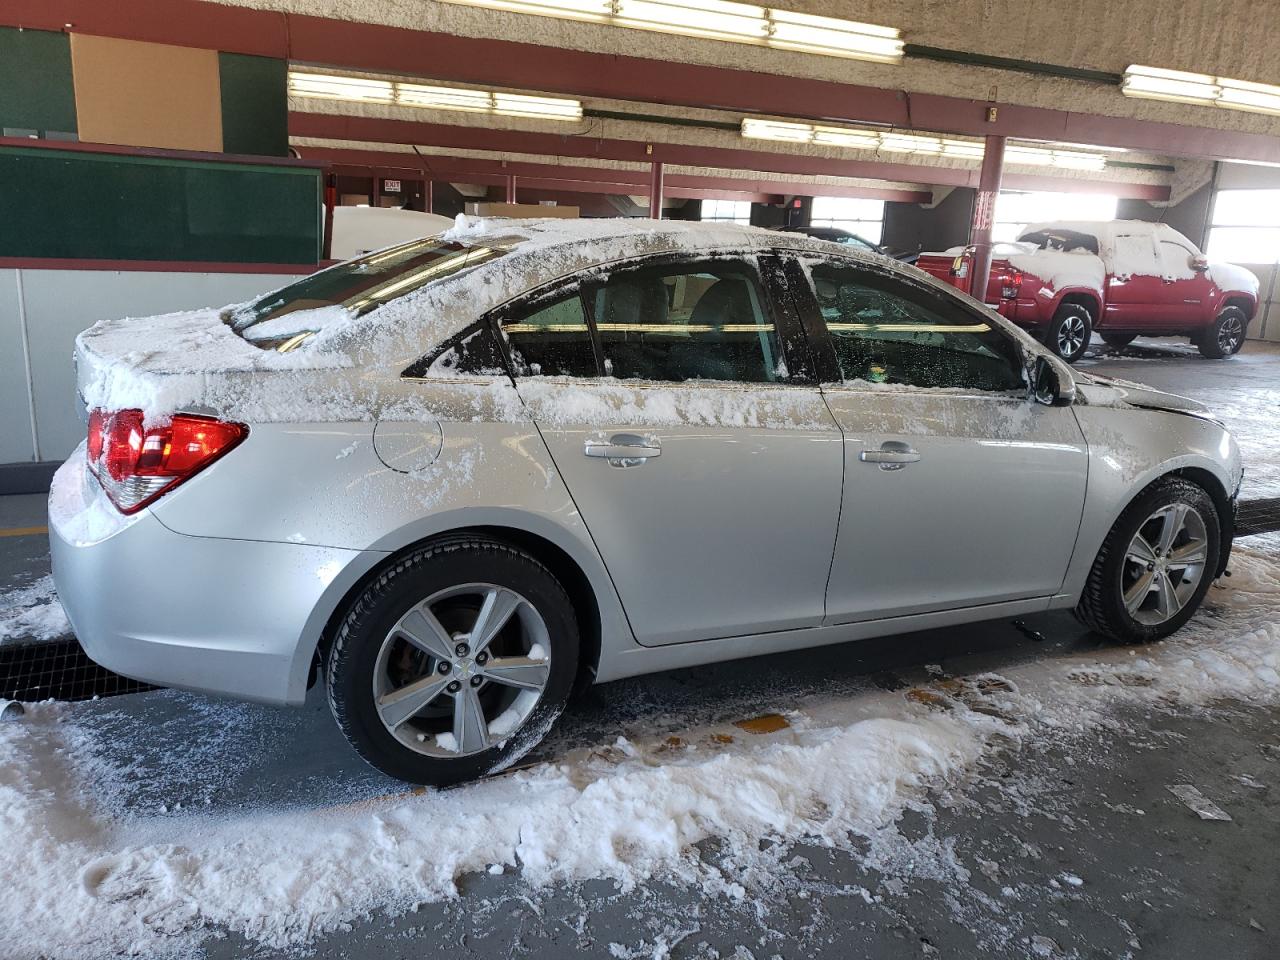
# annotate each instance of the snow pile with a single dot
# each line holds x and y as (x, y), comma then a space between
(86, 880)
(32, 613)
(79, 510)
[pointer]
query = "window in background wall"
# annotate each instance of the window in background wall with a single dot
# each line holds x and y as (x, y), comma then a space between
(863, 217)
(1245, 227)
(1015, 210)
(727, 211)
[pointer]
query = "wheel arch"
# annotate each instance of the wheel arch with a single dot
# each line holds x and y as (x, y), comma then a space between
(576, 565)
(1085, 297)
(583, 593)
(1243, 302)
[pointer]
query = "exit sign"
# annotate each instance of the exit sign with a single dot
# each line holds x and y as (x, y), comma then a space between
(391, 186)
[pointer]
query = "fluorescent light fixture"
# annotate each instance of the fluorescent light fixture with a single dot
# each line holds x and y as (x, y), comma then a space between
(889, 141)
(724, 20)
(402, 93)
(1179, 86)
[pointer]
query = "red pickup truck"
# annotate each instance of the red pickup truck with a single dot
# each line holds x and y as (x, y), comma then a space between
(1120, 278)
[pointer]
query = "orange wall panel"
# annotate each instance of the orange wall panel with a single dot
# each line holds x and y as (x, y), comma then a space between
(146, 94)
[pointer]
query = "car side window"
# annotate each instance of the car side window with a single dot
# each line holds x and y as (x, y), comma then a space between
(677, 322)
(1175, 260)
(888, 331)
(549, 337)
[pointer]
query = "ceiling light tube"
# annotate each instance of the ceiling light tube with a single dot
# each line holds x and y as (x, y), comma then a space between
(1179, 86)
(724, 20)
(365, 90)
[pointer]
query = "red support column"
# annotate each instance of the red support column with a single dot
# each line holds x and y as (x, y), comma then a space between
(984, 211)
(511, 188)
(655, 190)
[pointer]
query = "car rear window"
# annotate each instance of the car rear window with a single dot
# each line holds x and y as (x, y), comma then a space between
(358, 285)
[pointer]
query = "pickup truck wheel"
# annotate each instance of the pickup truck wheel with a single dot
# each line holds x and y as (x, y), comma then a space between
(1156, 564)
(1068, 334)
(454, 662)
(1118, 340)
(1225, 337)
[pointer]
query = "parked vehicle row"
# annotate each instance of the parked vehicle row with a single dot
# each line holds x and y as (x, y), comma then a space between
(1121, 279)
(458, 477)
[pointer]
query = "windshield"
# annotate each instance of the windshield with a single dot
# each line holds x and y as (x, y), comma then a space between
(355, 287)
(1060, 239)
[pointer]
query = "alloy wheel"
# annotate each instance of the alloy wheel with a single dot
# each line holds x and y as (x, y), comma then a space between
(462, 670)
(1070, 335)
(1164, 564)
(1230, 335)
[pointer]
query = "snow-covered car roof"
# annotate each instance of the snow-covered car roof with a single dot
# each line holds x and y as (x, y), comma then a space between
(1107, 230)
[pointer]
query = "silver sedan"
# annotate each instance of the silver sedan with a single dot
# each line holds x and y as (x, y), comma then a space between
(457, 478)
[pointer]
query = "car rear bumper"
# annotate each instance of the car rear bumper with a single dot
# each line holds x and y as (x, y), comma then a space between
(234, 617)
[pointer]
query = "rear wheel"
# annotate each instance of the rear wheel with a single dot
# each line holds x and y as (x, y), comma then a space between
(1156, 564)
(1225, 337)
(1118, 340)
(454, 662)
(1068, 334)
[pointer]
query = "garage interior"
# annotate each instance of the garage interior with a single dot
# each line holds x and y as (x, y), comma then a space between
(164, 155)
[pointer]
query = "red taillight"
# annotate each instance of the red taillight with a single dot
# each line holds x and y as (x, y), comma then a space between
(1010, 284)
(137, 464)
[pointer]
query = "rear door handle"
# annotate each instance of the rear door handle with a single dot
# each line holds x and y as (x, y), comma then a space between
(892, 455)
(623, 449)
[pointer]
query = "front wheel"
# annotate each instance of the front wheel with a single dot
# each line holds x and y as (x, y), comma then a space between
(1068, 334)
(1156, 564)
(454, 662)
(1225, 337)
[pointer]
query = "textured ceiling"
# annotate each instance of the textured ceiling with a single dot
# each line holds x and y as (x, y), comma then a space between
(1231, 37)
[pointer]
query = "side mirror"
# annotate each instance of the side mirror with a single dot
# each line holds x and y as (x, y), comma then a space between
(1053, 384)
(1200, 263)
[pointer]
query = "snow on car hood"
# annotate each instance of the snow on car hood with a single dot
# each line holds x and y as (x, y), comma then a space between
(1099, 391)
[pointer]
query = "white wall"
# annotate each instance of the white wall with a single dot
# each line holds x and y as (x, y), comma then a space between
(41, 311)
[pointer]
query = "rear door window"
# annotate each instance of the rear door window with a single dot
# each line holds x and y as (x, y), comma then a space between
(703, 320)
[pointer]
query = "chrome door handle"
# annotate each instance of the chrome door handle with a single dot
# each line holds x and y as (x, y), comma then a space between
(623, 449)
(892, 455)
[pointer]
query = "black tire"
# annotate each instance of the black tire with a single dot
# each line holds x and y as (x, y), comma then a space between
(352, 661)
(1118, 340)
(1226, 335)
(1068, 333)
(1101, 607)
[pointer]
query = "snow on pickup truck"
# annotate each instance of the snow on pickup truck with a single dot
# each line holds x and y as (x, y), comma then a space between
(1121, 278)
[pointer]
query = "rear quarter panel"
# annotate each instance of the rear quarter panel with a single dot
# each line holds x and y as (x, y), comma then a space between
(325, 484)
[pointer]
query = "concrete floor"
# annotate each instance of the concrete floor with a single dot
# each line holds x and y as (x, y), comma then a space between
(988, 859)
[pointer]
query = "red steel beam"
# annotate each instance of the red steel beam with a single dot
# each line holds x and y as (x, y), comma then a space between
(441, 56)
(984, 215)
(493, 172)
(378, 130)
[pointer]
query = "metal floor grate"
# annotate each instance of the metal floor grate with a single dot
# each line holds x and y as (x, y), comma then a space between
(1258, 516)
(60, 670)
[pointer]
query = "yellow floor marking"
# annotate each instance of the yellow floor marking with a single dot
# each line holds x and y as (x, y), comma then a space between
(22, 531)
(769, 723)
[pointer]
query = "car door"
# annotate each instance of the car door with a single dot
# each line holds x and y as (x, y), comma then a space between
(1135, 293)
(1186, 293)
(678, 406)
(958, 490)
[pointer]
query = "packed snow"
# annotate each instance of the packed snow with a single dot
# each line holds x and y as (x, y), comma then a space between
(1059, 270)
(90, 877)
(32, 613)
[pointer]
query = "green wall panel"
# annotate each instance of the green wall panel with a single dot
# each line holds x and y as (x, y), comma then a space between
(62, 203)
(35, 81)
(255, 104)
